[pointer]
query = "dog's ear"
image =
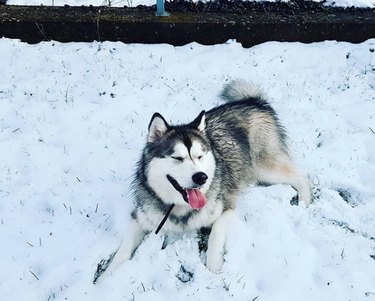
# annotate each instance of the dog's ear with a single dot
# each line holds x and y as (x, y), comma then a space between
(199, 123)
(157, 128)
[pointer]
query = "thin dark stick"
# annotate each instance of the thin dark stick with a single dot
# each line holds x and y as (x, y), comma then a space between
(34, 274)
(164, 219)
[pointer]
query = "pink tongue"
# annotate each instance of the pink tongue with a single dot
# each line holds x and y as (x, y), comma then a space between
(196, 198)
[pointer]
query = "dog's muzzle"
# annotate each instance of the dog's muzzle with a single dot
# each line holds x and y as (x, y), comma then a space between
(178, 188)
(193, 196)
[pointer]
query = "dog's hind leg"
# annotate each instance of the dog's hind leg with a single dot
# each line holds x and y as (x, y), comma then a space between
(280, 170)
(135, 235)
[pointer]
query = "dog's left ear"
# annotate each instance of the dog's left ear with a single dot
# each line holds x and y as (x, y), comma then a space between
(157, 128)
(199, 123)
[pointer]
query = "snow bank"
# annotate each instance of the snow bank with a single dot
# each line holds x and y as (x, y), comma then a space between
(73, 119)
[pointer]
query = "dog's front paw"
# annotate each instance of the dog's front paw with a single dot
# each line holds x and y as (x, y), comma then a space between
(307, 202)
(102, 267)
(215, 262)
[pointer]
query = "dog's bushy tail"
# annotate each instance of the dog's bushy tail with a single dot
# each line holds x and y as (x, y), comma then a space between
(240, 89)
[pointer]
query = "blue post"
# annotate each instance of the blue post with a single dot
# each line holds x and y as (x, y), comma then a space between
(160, 11)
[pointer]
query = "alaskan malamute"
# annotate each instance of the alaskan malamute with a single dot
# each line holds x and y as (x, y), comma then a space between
(189, 175)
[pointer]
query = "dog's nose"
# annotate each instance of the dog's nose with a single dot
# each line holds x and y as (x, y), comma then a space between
(200, 178)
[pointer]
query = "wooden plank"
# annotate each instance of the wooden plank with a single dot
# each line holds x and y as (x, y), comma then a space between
(33, 24)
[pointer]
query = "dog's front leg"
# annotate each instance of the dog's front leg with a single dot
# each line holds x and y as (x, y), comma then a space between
(216, 242)
(133, 239)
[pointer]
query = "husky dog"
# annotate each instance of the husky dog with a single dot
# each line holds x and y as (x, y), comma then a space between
(194, 172)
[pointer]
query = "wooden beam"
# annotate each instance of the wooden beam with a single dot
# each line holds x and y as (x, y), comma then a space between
(33, 24)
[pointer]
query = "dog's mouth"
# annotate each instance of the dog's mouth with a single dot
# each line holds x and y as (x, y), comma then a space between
(193, 196)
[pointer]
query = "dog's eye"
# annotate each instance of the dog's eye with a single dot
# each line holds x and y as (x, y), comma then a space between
(200, 157)
(178, 159)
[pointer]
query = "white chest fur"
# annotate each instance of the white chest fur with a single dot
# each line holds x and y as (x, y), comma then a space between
(181, 219)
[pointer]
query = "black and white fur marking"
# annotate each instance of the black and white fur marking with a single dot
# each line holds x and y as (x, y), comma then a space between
(236, 144)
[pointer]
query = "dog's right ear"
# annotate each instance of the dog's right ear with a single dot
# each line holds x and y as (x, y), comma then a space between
(157, 128)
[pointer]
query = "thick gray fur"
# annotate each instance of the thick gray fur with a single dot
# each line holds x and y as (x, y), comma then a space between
(248, 145)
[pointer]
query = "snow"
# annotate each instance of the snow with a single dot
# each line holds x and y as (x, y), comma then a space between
(73, 120)
(134, 3)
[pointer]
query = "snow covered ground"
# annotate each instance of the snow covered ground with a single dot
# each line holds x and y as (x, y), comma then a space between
(134, 3)
(73, 120)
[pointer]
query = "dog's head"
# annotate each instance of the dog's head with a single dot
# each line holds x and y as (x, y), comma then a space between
(181, 164)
